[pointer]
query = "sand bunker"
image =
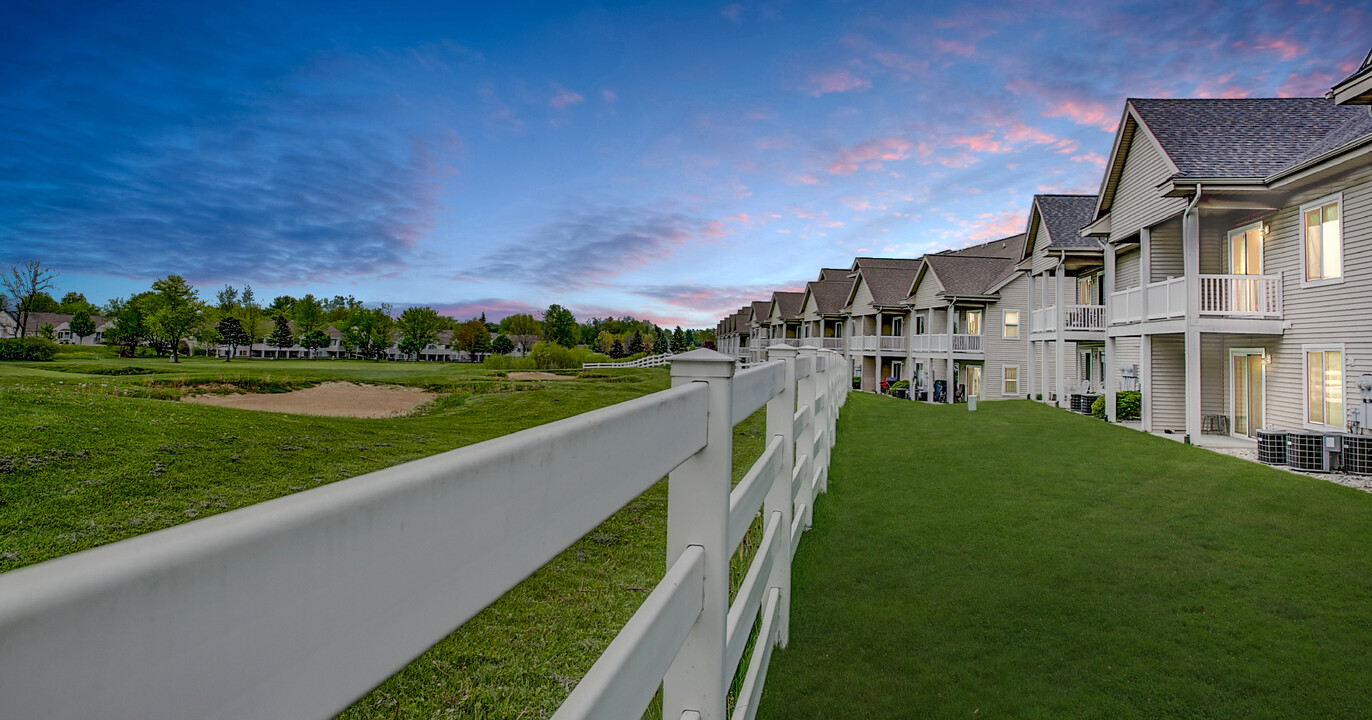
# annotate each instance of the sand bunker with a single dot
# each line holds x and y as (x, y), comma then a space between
(537, 376)
(338, 399)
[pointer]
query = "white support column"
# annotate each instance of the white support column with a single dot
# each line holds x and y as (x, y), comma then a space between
(1190, 249)
(1146, 381)
(1029, 372)
(780, 415)
(948, 382)
(805, 443)
(1145, 268)
(909, 335)
(1111, 384)
(698, 514)
(1060, 347)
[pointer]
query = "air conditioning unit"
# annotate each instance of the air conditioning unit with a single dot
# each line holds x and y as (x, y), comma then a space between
(1272, 447)
(1357, 454)
(1312, 451)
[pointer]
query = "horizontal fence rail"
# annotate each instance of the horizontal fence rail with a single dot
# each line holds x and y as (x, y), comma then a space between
(296, 607)
(646, 361)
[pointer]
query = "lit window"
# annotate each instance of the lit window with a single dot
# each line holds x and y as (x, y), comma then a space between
(1011, 324)
(973, 322)
(1010, 374)
(1323, 240)
(1324, 387)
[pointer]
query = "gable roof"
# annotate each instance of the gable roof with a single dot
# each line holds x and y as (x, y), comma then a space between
(964, 275)
(862, 263)
(759, 310)
(889, 285)
(1062, 216)
(1239, 137)
(787, 304)
(830, 295)
(828, 274)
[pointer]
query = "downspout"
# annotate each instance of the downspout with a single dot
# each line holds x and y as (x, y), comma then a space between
(1190, 208)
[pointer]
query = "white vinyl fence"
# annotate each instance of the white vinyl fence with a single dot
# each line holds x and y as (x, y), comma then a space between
(295, 607)
(646, 361)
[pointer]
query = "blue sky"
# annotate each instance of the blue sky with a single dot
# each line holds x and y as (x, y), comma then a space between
(665, 160)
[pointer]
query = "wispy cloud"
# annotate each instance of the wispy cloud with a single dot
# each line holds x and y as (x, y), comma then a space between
(835, 81)
(563, 98)
(869, 154)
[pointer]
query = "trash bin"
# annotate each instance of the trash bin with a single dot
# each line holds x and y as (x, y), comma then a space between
(972, 403)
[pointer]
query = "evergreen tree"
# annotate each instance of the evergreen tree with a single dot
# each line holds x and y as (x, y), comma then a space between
(616, 349)
(635, 343)
(678, 340)
(282, 337)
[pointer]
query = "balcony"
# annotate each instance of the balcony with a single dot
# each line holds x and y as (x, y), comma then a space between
(892, 342)
(962, 343)
(1221, 296)
(1076, 318)
(870, 343)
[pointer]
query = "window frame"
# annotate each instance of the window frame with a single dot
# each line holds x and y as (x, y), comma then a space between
(1005, 324)
(1300, 231)
(1306, 350)
(1004, 389)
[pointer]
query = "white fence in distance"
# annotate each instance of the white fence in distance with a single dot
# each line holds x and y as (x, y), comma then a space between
(298, 606)
(646, 361)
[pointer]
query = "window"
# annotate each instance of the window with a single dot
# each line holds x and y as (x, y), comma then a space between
(1010, 379)
(897, 327)
(1245, 250)
(1087, 287)
(921, 325)
(973, 322)
(1323, 232)
(1324, 386)
(1011, 325)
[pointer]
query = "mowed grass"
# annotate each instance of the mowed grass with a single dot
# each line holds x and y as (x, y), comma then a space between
(88, 458)
(1023, 562)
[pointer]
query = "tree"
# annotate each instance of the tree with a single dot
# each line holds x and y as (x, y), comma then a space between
(47, 331)
(308, 315)
(25, 285)
(472, 337)
(231, 332)
(502, 345)
(282, 337)
(73, 301)
(282, 304)
(635, 344)
(227, 300)
(81, 324)
(251, 316)
(522, 328)
(314, 340)
(370, 332)
(678, 340)
(559, 326)
(418, 327)
(176, 311)
(603, 341)
(130, 328)
(616, 349)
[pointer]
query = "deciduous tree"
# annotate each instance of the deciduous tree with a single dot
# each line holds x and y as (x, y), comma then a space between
(176, 311)
(81, 324)
(314, 340)
(523, 329)
(232, 334)
(26, 286)
(503, 345)
(370, 332)
(559, 326)
(471, 336)
(418, 327)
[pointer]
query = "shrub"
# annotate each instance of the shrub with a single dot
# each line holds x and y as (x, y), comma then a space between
(1128, 405)
(27, 348)
(551, 356)
(901, 385)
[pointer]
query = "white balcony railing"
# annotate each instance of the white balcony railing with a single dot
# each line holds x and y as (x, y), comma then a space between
(833, 343)
(1241, 295)
(1166, 299)
(297, 606)
(892, 342)
(1126, 306)
(938, 343)
(1075, 317)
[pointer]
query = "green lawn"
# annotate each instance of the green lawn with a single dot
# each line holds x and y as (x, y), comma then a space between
(88, 457)
(1024, 562)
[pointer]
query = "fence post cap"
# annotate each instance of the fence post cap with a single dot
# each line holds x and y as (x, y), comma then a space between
(809, 351)
(783, 351)
(702, 363)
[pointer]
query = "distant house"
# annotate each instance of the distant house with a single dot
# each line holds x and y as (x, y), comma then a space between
(61, 324)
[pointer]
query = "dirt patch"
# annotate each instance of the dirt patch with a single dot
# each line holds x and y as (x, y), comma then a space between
(537, 376)
(336, 399)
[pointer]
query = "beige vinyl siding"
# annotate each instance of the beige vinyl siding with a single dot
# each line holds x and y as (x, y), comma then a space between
(1127, 270)
(1165, 252)
(1126, 354)
(1214, 374)
(999, 350)
(1325, 314)
(1046, 369)
(1138, 203)
(862, 298)
(1167, 396)
(926, 293)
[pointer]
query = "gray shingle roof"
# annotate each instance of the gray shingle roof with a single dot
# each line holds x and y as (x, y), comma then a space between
(1240, 137)
(1063, 216)
(1006, 247)
(1356, 128)
(889, 285)
(788, 304)
(828, 274)
(830, 295)
(863, 263)
(761, 309)
(964, 275)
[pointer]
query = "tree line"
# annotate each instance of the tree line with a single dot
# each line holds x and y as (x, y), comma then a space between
(172, 312)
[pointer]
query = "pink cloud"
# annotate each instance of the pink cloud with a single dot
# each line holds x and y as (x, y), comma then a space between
(901, 62)
(1311, 85)
(1090, 158)
(869, 155)
(954, 47)
(1070, 103)
(495, 309)
(608, 95)
(836, 81)
(1285, 48)
(809, 179)
(734, 13)
(563, 97)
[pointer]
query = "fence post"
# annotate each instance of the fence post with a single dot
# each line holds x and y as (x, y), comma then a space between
(698, 514)
(822, 376)
(805, 444)
(781, 412)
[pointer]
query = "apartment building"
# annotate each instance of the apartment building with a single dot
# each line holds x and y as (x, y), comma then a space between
(877, 316)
